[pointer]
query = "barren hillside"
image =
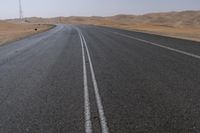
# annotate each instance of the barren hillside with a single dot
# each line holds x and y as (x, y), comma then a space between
(184, 18)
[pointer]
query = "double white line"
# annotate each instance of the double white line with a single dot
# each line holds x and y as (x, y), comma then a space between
(88, 122)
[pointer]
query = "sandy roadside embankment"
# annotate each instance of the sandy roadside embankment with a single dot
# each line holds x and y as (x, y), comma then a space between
(11, 32)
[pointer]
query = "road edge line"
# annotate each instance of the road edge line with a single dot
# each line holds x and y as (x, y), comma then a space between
(159, 45)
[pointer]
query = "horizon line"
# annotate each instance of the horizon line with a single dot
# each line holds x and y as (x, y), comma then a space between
(136, 14)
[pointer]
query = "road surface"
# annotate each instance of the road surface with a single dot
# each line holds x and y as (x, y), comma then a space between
(87, 79)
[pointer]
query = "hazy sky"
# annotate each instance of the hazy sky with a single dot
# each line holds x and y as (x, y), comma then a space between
(52, 8)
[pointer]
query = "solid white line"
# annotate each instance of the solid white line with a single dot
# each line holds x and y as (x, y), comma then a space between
(88, 123)
(158, 45)
(103, 122)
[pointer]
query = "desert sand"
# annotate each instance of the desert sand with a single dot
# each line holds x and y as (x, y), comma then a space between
(13, 31)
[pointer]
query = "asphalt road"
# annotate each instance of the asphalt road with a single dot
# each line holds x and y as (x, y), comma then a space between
(76, 79)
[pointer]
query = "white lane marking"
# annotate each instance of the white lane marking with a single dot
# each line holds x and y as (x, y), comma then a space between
(158, 45)
(88, 123)
(103, 122)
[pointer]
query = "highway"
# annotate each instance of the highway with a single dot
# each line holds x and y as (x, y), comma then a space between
(89, 79)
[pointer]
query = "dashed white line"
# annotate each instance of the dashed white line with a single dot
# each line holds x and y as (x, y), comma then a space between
(158, 45)
(88, 123)
(103, 121)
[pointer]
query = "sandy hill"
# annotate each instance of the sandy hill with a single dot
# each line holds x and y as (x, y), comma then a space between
(185, 18)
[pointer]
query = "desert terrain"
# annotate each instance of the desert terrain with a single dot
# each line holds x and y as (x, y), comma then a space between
(14, 31)
(184, 24)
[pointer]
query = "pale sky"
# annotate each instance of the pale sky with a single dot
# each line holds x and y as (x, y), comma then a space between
(53, 8)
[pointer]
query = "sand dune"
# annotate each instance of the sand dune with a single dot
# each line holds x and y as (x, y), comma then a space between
(184, 18)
